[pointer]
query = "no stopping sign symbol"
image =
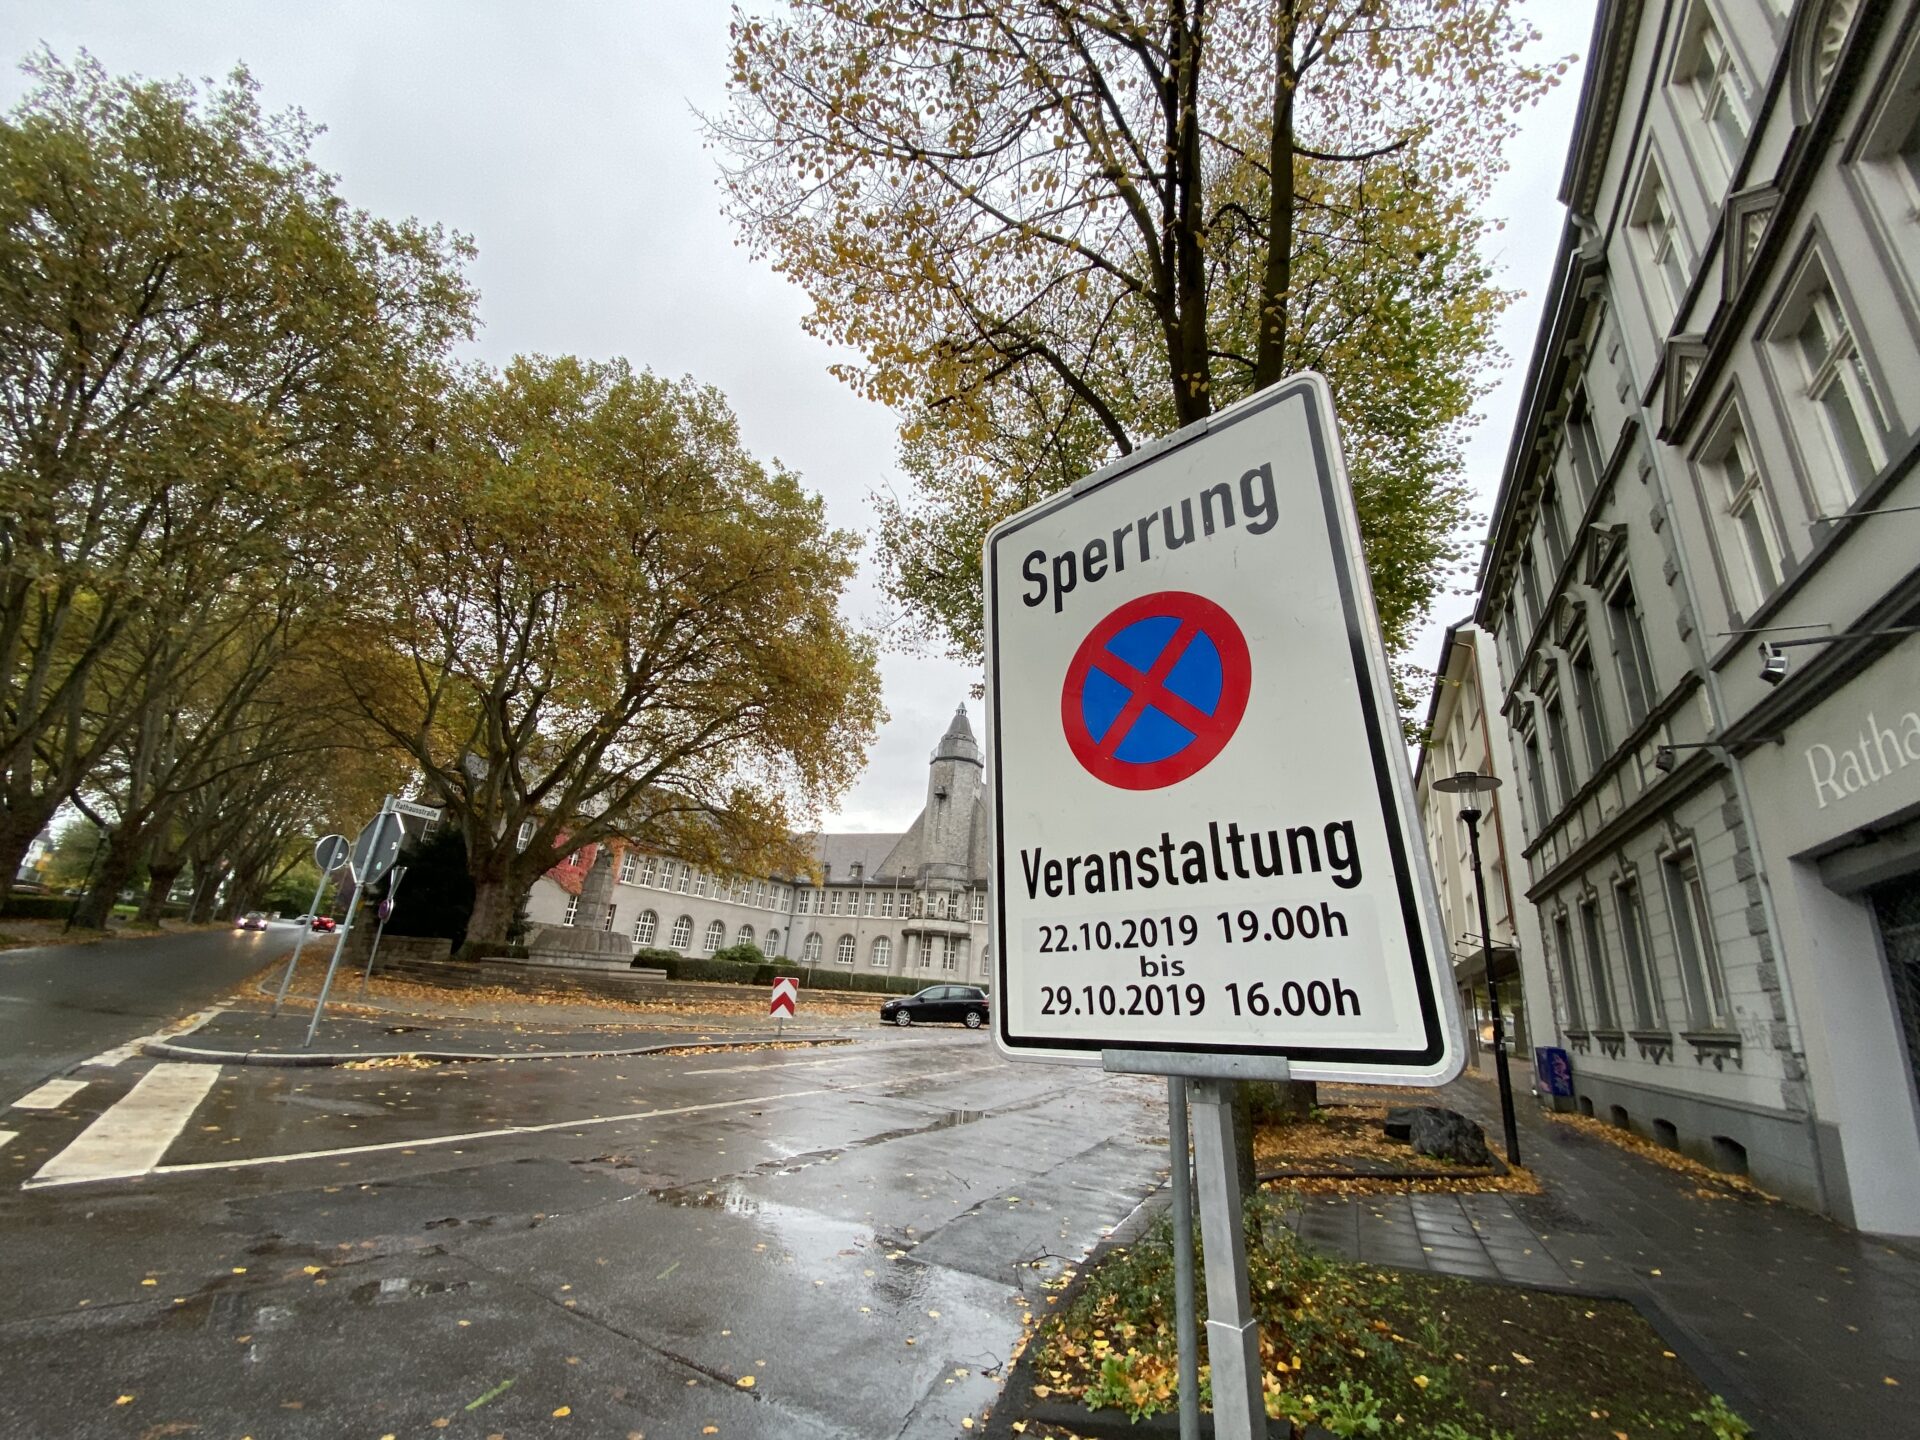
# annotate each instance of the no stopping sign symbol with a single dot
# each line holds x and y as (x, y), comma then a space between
(1156, 690)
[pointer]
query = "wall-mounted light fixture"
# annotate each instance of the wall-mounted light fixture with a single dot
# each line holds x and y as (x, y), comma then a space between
(1773, 664)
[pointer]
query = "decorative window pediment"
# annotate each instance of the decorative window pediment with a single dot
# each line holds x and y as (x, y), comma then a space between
(1607, 542)
(1748, 214)
(1819, 46)
(1686, 358)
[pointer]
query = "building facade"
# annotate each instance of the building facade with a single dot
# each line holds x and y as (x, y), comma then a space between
(1716, 451)
(1464, 732)
(910, 904)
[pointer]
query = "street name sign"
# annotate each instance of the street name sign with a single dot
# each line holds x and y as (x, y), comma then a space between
(418, 812)
(785, 997)
(1203, 821)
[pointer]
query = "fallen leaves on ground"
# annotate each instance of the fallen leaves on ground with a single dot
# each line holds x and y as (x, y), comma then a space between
(1674, 1160)
(1345, 1134)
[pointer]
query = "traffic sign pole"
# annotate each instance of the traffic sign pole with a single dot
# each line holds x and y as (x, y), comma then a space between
(328, 854)
(333, 964)
(386, 912)
(374, 852)
(1233, 1334)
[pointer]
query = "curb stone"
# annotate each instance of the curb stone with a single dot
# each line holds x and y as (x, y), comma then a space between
(162, 1050)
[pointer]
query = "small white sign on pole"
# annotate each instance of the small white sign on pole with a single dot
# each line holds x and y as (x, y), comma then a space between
(1203, 817)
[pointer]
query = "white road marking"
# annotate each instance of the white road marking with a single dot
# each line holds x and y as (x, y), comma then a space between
(777, 1065)
(6, 1135)
(132, 1137)
(50, 1096)
(44, 1181)
(107, 1059)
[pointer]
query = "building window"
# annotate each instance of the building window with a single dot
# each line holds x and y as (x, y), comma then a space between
(1553, 526)
(1586, 700)
(645, 928)
(886, 904)
(882, 953)
(758, 899)
(609, 925)
(628, 862)
(833, 902)
(715, 937)
(1560, 746)
(686, 875)
(668, 870)
(1843, 397)
(646, 870)
(700, 884)
(1630, 651)
(1641, 985)
(773, 942)
(743, 936)
(525, 837)
(1536, 781)
(682, 935)
(1583, 447)
(950, 953)
(979, 904)
(843, 951)
(810, 950)
(1660, 245)
(573, 910)
(866, 904)
(1605, 1016)
(1569, 983)
(1530, 586)
(1719, 95)
(574, 858)
(1746, 520)
(1700, 977)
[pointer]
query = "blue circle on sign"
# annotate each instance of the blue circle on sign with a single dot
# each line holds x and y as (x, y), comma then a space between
(1194, 678)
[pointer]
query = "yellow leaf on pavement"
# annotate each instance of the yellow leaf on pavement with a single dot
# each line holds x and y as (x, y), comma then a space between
(124, 1400)
(745, 1382)
(1521, 1358)
(562, 1412)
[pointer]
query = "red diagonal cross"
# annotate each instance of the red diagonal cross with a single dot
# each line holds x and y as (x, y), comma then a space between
(1150, 689)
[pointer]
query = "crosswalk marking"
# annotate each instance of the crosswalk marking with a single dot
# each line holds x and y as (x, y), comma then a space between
(50, 1096)
(132, 1136)
(6, 1135)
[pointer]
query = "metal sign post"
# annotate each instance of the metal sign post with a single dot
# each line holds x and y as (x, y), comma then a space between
(330, 854)
(1206, 857)
(386, 913)
(374, 852)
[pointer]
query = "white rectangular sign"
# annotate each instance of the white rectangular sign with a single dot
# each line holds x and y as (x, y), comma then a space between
(1202, 812)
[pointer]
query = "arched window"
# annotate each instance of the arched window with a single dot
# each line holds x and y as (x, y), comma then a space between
(715, 937)
(682, 933)
(843, 952)
(773, 942)
(645, 928)
(810, 951)
(882, 953)
(744, 936)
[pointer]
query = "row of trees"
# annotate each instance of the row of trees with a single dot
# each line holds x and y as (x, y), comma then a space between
(272, 551)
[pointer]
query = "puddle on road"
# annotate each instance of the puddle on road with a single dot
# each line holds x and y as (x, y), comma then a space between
(396, 1288)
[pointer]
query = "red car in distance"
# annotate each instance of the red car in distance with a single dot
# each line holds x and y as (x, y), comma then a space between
(324, 923)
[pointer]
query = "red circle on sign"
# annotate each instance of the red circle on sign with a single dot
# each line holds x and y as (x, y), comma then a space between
(1169, 623)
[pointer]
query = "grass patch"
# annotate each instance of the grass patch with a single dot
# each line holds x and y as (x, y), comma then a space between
(1364, 1351)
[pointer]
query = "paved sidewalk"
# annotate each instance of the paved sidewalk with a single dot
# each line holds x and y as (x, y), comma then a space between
(1815, 1329)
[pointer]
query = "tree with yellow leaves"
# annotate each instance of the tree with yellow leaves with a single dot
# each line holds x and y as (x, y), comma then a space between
(1055, 229)
(595, 614)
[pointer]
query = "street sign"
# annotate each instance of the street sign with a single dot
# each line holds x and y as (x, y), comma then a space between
(376, 848)
(418, 812)
(785, 997)
(1203, 821)
(331, 853)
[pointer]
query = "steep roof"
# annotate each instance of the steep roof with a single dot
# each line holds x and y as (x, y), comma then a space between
(838, 854)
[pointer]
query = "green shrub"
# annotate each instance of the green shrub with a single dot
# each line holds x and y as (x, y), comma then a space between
(37, 907)
(746, 953)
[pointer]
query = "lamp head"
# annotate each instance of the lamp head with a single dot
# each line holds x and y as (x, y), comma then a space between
(1773, 663)
(1663, 758)
(1467, 782)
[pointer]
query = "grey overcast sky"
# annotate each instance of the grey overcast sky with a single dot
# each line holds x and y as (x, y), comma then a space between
(563, 139)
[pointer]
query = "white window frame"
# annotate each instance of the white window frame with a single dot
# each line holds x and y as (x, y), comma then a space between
(882, 952)
(744, 935)
(844, 950)
(714, 937)
(1663, 248)
(1839, 378)
(1703, 982)
(682, 936)
(950, 954)
(646, 925)
(979, 905)
(1742, 510)
(886, 905)
(573, 910)
(629, 862)
(646, 870)
(525, 837)
(608, 927)
(811, 947)
(1706, 67)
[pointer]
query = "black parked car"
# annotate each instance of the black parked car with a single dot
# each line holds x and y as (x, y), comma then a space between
(965, 1003)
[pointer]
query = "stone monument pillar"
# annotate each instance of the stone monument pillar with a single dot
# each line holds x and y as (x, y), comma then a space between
(587, 941)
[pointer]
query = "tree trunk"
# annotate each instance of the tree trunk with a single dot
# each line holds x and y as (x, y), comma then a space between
(18, 829)
(206, 885)
(115, 871)
(160, 878)
(495, 899)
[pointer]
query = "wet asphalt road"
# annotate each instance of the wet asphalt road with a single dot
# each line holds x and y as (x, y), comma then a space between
(857, 1230)
(61, 1004)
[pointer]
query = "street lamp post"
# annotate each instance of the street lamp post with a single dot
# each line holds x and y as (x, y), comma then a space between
(1468, 782)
